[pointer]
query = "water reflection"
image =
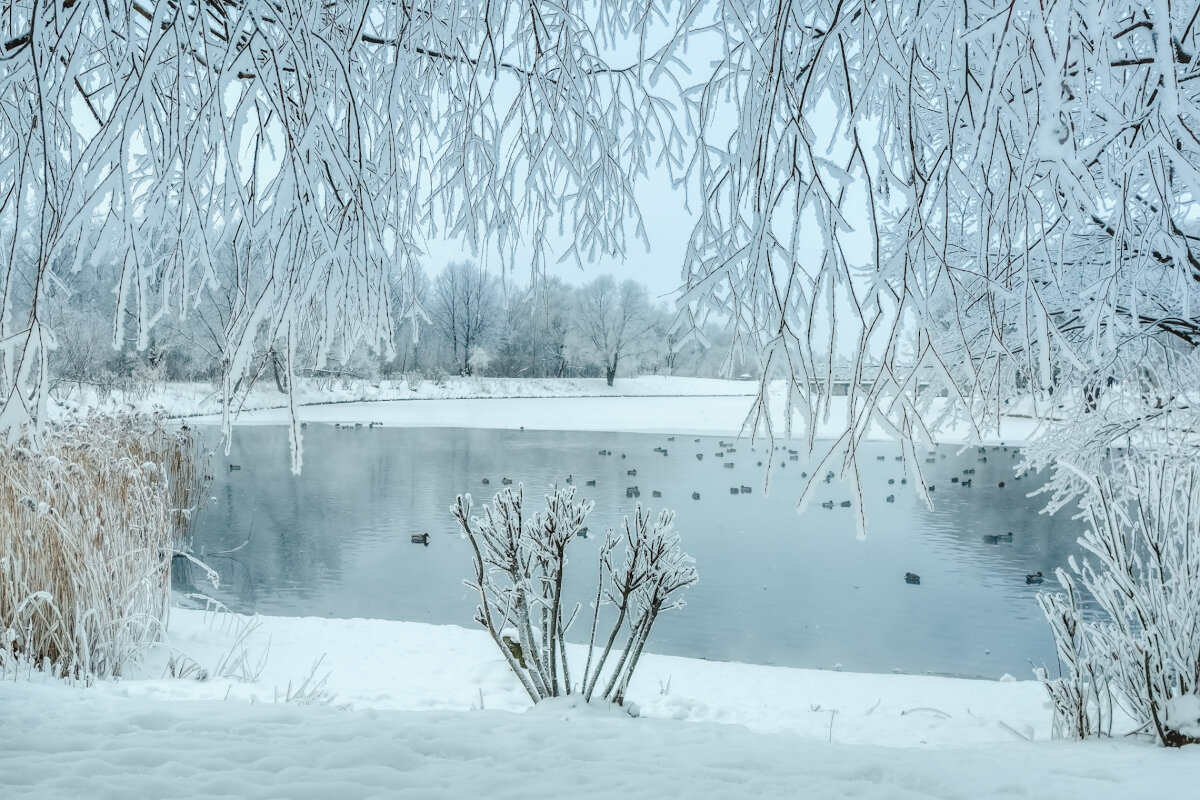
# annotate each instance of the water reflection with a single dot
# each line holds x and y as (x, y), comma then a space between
(775, 588)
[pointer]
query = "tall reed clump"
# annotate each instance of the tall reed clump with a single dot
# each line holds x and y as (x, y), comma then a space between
(90, 518)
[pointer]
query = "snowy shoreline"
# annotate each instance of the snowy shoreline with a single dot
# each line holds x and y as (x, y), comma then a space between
(648, 404)
(432, 711)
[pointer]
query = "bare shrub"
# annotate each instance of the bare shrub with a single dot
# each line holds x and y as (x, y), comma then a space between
(1080, 696)
(519, 563)
(89, 521)
(1141, 650)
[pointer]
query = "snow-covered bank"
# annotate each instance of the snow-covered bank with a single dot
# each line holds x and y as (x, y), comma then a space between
(649, 404)
(714, 416)
(199, 399)
(413, 666)
(682, 414)
(416, 729)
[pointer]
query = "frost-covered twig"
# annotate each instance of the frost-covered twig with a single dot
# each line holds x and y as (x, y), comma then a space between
(1141, 648)
(519, 565)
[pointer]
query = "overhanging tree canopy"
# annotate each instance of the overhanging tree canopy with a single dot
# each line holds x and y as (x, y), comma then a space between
(987, 200)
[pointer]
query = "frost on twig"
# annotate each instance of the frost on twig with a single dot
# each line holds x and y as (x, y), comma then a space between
(291, 158)
(1140, 647)
(519, 563)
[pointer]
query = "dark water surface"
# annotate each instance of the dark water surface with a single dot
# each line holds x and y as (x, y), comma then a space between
(775, 587)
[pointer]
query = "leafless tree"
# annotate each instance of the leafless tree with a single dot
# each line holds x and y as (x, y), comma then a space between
(614, 321)
(979, 202)
(982, 199)
(319, 142)
(464, 305)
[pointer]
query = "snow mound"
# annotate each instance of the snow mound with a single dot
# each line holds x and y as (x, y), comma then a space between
(1183, 714)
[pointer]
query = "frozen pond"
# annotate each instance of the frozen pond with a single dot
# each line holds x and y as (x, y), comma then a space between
(775, 587)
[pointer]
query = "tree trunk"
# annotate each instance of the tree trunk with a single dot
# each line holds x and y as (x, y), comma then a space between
(610, 372)
(277, 369)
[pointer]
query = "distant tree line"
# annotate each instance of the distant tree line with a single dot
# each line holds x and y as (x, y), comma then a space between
(462, 320)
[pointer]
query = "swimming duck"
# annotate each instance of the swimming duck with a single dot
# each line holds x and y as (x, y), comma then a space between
(912, 577)
(1035, 577)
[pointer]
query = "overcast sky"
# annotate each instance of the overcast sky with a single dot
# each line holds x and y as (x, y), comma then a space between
(668, 224)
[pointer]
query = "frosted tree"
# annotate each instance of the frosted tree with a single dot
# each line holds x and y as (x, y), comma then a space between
(1142, 571)
(983, 205)
(465, 306)
(314, 145)
(536, 321)
(613, 322)
(990, 201)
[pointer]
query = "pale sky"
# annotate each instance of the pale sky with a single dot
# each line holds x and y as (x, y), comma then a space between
(668, 225)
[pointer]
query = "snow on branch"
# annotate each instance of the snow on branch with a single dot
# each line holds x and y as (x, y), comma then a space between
(519, 563)
(957, 207)
(294, 155)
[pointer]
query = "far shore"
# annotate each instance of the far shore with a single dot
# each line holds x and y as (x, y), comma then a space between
(648, 404)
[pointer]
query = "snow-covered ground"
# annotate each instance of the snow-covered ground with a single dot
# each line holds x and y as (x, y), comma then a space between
(197, 399)
(432, 711)
(649, 404)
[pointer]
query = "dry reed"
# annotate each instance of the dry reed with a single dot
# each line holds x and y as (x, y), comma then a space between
(89, 521)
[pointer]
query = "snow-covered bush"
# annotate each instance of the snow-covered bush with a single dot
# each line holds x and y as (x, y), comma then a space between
(1141, 649)
(1080, 695)
(437, 376)
(89, 521)
(519, 563)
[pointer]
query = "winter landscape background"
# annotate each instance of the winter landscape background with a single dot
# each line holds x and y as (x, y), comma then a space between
(941, 258)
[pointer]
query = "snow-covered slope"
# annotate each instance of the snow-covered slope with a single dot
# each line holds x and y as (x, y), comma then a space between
(416, 729)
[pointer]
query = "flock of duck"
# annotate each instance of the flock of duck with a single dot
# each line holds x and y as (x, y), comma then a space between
(965, 481)
(635, 490)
